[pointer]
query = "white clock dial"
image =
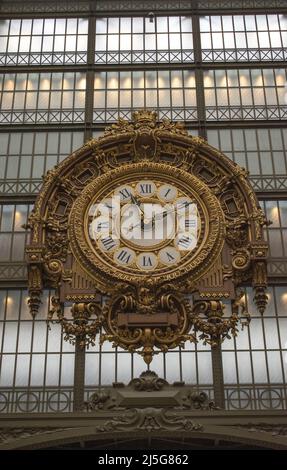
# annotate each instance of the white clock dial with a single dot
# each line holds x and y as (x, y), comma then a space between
(169, 256)
(145, 188)
(150, 225)
(147, 261)
(167, 193)
(124, 256)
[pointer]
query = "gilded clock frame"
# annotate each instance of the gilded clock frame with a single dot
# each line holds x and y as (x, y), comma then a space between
(195, 265)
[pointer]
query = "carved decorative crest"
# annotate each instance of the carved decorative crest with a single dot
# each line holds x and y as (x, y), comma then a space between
(137, 310)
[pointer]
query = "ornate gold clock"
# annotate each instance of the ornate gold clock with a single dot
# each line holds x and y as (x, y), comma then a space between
(147, 231)
(146, 223)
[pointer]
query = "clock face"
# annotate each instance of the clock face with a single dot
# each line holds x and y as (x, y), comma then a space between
(145, 226)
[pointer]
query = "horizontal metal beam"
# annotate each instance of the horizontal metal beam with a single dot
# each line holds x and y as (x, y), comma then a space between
(37, 9)
(141, 66)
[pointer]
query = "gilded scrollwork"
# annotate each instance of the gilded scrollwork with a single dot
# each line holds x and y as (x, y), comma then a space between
(143, 320)
(85, 325)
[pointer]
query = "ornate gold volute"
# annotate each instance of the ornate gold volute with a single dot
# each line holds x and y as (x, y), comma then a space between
(147, 294)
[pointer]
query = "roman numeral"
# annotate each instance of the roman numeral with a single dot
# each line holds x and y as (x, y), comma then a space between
(102, 225)
(147, 261)
(108, 243)
(184, 242)
(168, 191)
(124, 256)
(125, 193)
(169, 256)
(190, 223)
(145, 188)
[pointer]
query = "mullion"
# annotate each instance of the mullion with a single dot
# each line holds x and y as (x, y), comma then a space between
(4, 323)
(19, 160)
(15, 91)
(264, 92)
(39, 80)
(280, 33)
(168, 38)
(8, 155)
(31, 344)
(65, 41)
(276, 88)
(245, 150)
(33, 148)
(258, 153)
(235, 351)
(14, 388)
(250, 349)
(30, 42)
(19, 39)
(61, 356)
(280, 228)
(8, 37)
(257, 34)
(116, 364)
(281, 348)
(180, 363)
(181, 37)
(273, 155)
(269, 29)
(12, 233)
(196, 353)
(284, 147)
(46, 356)
(266, 356)
(42, 41)
(100, 353)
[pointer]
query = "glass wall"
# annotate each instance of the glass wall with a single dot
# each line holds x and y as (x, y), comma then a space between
(243, 38)
(255, 363)
(263, 152)
(170, 92)
(26, 156)
(46, 41)
(37, 98)
(13, 235)
(242, 94)
(36, 364)
(141, 40)
(192, 365)
(276, 234)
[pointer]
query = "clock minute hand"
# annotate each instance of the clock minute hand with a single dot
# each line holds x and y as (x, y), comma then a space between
(164, 214)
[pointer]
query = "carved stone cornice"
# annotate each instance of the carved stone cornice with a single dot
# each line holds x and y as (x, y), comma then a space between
(10, 434)
(149, 390)
(149, 420)
(148, 381)
(35, 431)
(273, 429)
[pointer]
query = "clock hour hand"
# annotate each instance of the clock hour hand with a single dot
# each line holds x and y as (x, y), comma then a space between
(136, 202)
